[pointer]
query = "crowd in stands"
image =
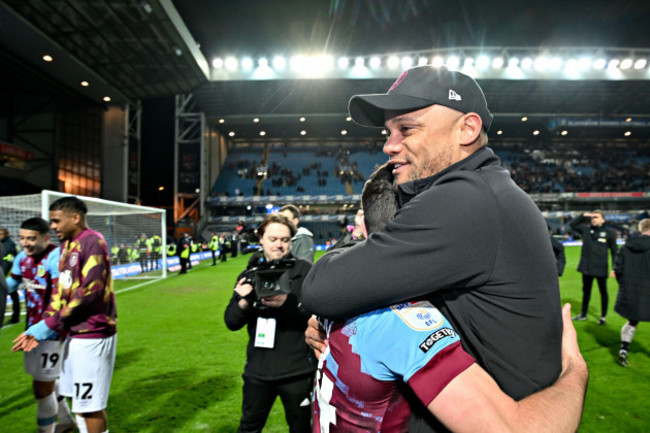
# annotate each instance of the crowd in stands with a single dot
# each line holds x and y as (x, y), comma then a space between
(539, 168)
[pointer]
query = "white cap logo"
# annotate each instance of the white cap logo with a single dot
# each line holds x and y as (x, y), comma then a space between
(453, 96)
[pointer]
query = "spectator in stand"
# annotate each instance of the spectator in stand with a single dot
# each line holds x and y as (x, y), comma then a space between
(632, 269)
(596, 240)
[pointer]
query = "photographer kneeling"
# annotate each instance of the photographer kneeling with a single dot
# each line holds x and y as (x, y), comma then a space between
(278, 361)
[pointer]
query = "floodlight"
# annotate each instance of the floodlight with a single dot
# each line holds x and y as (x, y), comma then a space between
(348, 119)
(231, 133)
(613, 63)
(359, 62)
(483, 62)
(556, 63)
(392, 62)
(437, 61)
(527, 63)
(106, 99)
(599, 63)
(407, 62)
(47, 58)
(85, 83)
(626, 63)
(262, 133)
(497, 62)
(564, 132)
(453, 62)
(375, 62)
(263, 62)
(303, 119)
(627, 133)
(499, 132)
(571, 65)
(541, 63)
(584, 63)
(222, 120)
(536, 132)
(217, 63)
(469, 62)
(231, 63)
(303, 132)
(247, 63)
(640, 64)
(344, 62)
(524, 119)
(344, 132)
(256, 120)
(513, 62)
(279, 63)
(422, 61)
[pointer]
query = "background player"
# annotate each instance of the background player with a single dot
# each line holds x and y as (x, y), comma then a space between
(37, 268)
(84, 306)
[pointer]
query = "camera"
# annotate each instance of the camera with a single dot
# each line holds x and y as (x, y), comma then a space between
(269, 277)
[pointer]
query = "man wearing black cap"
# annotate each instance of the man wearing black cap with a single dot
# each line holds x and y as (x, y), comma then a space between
(466, 237)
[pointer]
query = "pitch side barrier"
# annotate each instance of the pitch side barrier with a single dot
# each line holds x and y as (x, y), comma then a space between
(173, 265)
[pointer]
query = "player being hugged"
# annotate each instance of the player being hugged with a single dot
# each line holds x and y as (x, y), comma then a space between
(84, 308)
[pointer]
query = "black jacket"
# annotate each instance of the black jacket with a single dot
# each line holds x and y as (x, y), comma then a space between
(595, 243)
(290, 355)
(9, 254)
(632, 268)
(560, 257)
(476, 245)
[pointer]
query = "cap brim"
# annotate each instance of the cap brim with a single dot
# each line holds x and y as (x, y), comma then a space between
(368, 110)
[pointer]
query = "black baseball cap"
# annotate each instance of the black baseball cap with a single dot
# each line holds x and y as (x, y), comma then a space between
(421, 87)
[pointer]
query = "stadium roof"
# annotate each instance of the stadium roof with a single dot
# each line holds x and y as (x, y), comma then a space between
(141, 49)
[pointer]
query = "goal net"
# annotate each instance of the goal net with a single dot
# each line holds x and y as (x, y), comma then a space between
(135, 234)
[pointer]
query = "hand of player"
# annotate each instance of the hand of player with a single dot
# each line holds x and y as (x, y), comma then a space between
(315, 337)
(571, 356)
(25, 343)
(275, 301)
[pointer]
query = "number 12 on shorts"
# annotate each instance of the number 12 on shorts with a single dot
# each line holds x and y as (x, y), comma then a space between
(82, 391)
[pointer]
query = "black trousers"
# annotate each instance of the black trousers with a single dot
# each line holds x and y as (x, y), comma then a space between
(183, 266)
(587, 282)
(15, 305)
(259, 396)
(214, 257)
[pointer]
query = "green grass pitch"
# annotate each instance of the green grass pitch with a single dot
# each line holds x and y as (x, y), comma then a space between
(178, 368)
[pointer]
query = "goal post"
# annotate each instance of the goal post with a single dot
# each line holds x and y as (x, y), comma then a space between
(121, 224)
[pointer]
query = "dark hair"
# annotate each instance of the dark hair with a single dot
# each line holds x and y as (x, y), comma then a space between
(275, 218)
(37, 224)
(70, 204)
(378, 199)
(291, 208)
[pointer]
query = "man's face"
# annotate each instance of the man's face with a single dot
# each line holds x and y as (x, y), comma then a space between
(420, 143)
(597, 220)
(64, 223)
(33, 242)
(3, 234)
(276, 241)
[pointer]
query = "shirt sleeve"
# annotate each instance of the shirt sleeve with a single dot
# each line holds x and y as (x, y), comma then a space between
(422, 348)
(15, 267)
(438, 240)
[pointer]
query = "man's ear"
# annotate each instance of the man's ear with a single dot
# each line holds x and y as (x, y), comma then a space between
(470, 128)
(76, 218)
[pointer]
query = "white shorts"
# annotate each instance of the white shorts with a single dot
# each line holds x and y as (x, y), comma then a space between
(87, 372)
(44, 362)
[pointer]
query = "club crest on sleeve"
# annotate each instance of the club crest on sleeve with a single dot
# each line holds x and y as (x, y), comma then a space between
(419, 315)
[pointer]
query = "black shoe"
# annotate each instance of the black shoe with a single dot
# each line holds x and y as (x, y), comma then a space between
(14, 319)
(602, 320)
(579, 318)
(622, 359)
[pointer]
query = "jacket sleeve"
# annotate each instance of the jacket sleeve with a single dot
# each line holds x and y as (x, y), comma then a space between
(236, 317)
(437, 241)
(611, 244)
(577, 223)
(619, 263)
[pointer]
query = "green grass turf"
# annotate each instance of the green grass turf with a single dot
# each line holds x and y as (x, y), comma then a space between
(178, 368)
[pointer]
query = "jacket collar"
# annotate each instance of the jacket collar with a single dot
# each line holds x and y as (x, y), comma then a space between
(480, 158)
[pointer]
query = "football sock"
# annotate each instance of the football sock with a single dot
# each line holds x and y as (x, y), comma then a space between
(64, 415)
(81, 424)
(46, 414)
